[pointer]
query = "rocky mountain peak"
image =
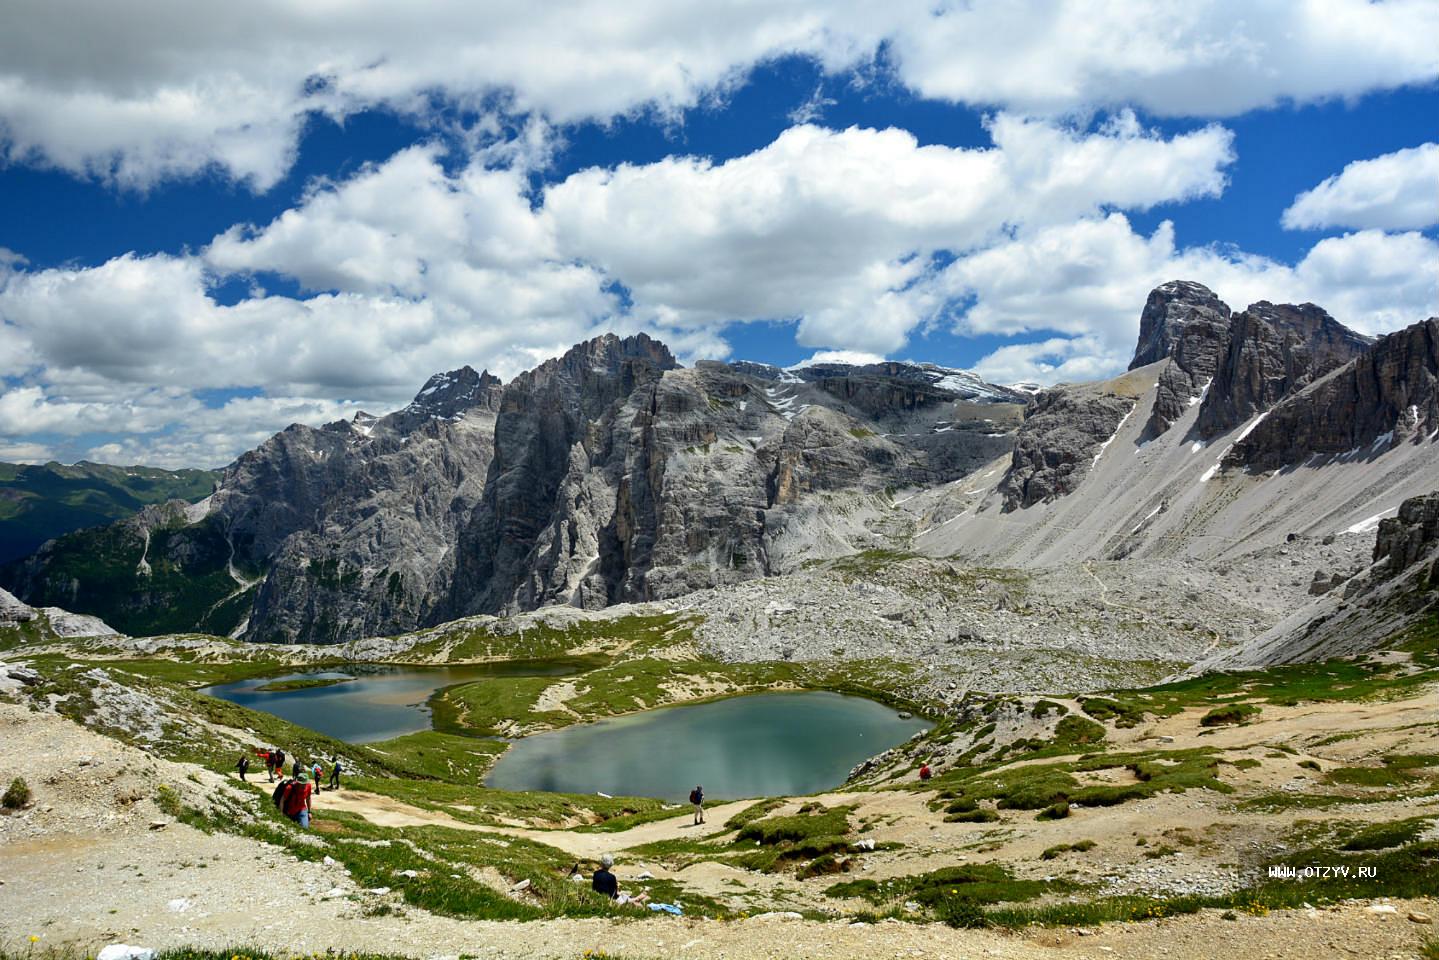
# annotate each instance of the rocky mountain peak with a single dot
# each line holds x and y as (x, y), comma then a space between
(1388, 394)
(1187, 324)
(450, 394)
(1171, 309)
(1273, 350)
(631, 359)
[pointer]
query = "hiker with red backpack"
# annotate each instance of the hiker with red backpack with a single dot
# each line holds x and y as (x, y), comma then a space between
(293, 798)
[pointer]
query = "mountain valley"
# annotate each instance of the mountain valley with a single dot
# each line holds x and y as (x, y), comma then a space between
(1171, 631)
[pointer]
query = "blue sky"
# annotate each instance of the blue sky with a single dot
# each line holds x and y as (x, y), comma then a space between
(298, 222)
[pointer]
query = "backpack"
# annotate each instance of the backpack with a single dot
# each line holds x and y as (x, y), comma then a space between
(295, 798)
(278, 797)
(695, 796)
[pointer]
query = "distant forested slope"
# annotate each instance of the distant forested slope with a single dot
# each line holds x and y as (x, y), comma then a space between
(41, 502)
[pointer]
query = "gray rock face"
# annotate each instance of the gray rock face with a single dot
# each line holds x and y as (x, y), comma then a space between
(1192, 326)
(608, 474)
(682, 479)
(1409, 537)
(354, 524)
(1168, 313)
(12, 611)
(1273, 350)
(534, 536)
(1387, 395)
(1062, 434)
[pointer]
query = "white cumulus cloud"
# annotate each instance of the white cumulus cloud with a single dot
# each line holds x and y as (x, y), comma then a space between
(831, 227)
(1398, 191)
(140, 91)
(1087, 281)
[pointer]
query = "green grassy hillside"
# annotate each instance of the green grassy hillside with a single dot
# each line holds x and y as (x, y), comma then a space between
(41, 502)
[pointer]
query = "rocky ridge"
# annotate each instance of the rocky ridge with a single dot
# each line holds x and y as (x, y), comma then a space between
(607, 475)
(1273, 351)
(1386, 396)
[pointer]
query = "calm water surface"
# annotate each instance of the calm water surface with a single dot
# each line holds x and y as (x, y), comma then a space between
(380, 702)
(767, 744)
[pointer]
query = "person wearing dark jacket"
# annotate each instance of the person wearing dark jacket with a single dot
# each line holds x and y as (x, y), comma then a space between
(244, 765)
(335, 774)
(604, 881)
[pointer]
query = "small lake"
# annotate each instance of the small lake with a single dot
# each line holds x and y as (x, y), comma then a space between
(376, 701)
(765, 744)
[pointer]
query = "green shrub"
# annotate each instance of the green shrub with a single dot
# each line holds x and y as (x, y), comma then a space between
(1074, 730)
(826, 863)
(961, 912)
(1055, 811)
(1122, 713)
(1382, 836)
(794, 829)
(752, 813)
(1082, 846)
(972, 816)
(17, 795)
(1367, 776)
(1229, 713)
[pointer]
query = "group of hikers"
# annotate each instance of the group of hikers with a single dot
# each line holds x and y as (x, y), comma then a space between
(293, 795)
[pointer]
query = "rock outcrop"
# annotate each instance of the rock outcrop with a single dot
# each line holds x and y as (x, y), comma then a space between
(1273, 351)
(1064, 431)
(1169, 311)
(1386, 396)
(1375, 609)
(537, 531)
(12, 611)
(1408, 538)
(1187, 325)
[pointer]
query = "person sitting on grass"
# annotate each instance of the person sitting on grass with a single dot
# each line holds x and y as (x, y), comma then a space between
(605, 882)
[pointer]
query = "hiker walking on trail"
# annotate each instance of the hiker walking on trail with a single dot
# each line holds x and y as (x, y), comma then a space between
(293, 798)
(335, 774)
(279, 757)
(318, 772)
(296, 769)
(269, 756)
(243, 765)
(697, 797)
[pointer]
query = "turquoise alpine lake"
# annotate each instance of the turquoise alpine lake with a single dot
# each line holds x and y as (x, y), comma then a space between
(375, 701)
(758, 745)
